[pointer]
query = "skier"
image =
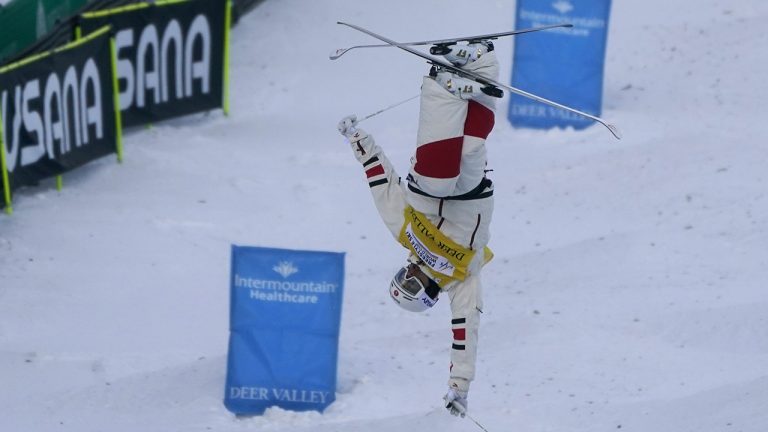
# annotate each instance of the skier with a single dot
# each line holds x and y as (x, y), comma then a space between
(442, 212)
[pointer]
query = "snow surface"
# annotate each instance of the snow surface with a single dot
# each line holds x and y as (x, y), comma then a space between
(628, 290)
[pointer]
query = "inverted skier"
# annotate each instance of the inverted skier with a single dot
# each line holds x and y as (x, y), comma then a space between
(442, 211)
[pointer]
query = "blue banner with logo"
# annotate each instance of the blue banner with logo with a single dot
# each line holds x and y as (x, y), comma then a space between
(564, 65)
(285, 313)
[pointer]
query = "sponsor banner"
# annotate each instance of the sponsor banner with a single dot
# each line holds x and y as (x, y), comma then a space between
(170, 57)
(285, 313)
(435, 262)
(564, 65)
(57, 111)
(449, 260)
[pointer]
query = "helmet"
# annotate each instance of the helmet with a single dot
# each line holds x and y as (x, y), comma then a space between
(409, 292)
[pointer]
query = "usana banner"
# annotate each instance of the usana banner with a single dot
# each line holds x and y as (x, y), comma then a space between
(57, 112)
(171, 56)
(285, 314)
(564, 65)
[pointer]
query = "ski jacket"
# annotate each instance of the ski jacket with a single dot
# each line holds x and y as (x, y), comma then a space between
(450, 159)
(464, 221)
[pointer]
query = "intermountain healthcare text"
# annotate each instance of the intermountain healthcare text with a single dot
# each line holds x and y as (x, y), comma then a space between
(284, 291)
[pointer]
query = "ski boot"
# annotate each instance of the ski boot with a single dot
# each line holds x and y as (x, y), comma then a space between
(464, 88)
(461, 55)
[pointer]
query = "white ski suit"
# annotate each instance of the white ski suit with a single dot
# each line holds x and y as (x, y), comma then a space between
(446, 183)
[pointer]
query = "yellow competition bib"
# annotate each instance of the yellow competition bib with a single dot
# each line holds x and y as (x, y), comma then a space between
(435, 249)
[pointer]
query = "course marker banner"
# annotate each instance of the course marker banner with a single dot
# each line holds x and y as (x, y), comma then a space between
(170, 57)
(285, 314)
(57, 111)
(564, 65)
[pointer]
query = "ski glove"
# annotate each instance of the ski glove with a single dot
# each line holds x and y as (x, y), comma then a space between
(347, 125)
(456, 402)
(362, 143)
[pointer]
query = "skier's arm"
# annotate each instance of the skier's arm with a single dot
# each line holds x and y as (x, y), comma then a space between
(387, 192)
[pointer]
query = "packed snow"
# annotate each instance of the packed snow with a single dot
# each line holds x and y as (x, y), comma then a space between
(628, 290)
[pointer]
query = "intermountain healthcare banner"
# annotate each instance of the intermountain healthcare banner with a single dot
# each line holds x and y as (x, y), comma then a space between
(564, 65)
(57, 112)
(285, 313)
(170, 56)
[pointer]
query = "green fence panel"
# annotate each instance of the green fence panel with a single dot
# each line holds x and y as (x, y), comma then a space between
(24, 22)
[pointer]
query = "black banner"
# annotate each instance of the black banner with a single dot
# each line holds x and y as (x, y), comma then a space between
(58, 111)
(170, 57)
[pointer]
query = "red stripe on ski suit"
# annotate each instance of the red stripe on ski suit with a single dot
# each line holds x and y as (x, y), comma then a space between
(442, 159)
(459, 334)
(377, 170)
(480, 120)
(439, 159)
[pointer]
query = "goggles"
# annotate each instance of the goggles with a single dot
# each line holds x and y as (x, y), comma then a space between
(410, 293)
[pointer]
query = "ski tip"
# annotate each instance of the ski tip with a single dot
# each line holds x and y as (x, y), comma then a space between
(568, 25)
(337, 53)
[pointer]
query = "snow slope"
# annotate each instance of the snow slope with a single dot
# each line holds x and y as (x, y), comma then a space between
(628, 290)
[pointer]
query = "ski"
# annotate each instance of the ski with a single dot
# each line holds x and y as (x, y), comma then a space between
(491, 86)
(469, 39)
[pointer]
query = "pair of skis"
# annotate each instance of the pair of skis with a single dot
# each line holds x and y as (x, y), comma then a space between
(491, 86)
(469, 39)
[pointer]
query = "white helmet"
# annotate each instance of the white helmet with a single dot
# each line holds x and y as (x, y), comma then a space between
(410, 293)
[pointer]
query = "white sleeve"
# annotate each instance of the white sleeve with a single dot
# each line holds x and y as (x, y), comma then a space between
(466, 305)
(386, 188)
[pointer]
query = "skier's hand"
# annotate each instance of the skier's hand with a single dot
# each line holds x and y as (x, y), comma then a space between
(456, 402)
(347, 125)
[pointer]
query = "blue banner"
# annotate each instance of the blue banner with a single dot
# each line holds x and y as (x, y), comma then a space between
(285, 313)
(564, 65)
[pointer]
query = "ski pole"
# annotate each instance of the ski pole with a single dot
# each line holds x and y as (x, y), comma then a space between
(476, 422)
(388, 108)
(464, 413)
